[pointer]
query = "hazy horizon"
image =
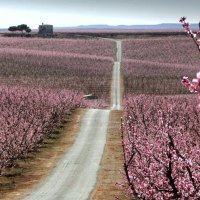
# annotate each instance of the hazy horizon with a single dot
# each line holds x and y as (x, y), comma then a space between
(71, 13)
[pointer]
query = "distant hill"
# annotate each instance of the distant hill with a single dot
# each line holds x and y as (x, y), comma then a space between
(164, 26)
(3, 29)
(167, 26)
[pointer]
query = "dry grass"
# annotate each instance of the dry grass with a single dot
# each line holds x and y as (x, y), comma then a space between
(111, 163)
(38, 165)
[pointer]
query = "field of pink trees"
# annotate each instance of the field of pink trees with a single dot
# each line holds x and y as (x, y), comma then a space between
(161, 138)
(98, 47)
(41, 80)
(176, 50)
(160, 134)
(155, 66)
(28, 116)
(56, 69)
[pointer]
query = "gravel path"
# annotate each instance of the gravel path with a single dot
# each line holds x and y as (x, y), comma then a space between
(75, 175)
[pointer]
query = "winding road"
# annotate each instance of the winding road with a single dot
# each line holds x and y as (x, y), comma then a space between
(75, 176)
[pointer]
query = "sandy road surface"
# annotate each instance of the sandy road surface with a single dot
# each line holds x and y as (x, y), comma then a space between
(119, 51)
(116, 78)
(75, 175)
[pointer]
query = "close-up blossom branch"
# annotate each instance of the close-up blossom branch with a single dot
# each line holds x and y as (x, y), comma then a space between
(194, 85)
(195, 35)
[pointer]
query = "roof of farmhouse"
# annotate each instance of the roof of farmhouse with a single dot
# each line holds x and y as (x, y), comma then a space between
(46, 24)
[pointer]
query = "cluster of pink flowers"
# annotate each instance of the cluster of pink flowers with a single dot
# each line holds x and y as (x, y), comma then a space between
(193, 85)
(161, 147)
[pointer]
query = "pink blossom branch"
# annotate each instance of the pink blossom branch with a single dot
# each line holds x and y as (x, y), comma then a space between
(193, 35)
(192, 86)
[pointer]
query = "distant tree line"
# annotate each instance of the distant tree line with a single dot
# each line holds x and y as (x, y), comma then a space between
(22, 28)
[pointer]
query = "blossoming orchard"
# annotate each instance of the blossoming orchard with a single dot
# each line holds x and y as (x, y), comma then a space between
(43, 81)
(160, 137)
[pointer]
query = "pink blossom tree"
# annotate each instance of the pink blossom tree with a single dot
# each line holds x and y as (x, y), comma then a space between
(28, 116)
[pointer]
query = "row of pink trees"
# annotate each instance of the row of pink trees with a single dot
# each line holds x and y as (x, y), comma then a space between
(161, 143)
(161, 147)
(28, 116)
(155, 65)
(98, 47)
(51, 69)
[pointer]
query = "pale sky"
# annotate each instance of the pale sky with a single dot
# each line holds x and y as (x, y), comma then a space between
(65, 13)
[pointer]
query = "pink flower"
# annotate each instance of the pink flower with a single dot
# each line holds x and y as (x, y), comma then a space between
(182, 19)
(198, 75)
(194, 35)
(194, 80)
(185, 81)
(186, 26)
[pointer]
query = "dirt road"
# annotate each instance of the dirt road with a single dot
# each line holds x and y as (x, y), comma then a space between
(75, 175)
(116, 90)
